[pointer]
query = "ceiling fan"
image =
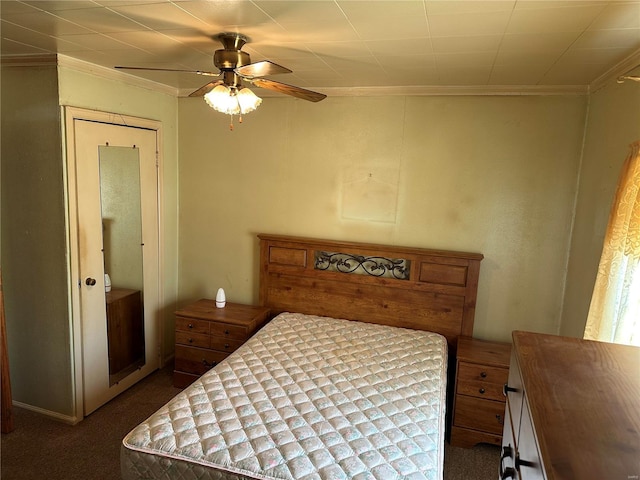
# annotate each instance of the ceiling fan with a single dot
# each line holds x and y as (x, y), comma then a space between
(235, 66)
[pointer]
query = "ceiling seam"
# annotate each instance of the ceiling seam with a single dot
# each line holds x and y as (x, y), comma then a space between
(506, 27)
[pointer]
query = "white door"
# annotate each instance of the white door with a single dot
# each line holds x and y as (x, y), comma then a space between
(116, 206)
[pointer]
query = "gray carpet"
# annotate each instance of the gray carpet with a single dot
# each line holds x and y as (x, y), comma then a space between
(41, 448)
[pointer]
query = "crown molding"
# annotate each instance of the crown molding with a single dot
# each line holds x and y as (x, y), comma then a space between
(459, 90)
(113, 74)
(53, 59)
(38, 60)
(426, 90)
(621, 68)
(433, 90)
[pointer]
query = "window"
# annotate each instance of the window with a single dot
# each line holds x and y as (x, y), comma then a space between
(614, 314)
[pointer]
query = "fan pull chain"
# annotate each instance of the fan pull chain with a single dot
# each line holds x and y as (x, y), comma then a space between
(231, 121)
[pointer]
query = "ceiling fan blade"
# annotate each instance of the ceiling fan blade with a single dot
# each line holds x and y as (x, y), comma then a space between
(198, 72)
(205, 89)
(261, 69)
(288, 89)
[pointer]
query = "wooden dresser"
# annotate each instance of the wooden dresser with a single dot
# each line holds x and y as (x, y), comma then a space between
(573, 410)
(482, 368)
(205, 335)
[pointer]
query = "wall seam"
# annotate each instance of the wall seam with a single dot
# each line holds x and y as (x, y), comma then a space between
(573, 216)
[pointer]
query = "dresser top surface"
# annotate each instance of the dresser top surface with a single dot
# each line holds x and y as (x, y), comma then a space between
(584, 398)
(116, 294)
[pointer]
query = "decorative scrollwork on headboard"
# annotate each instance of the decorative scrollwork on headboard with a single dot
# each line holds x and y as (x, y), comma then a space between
(398, 268)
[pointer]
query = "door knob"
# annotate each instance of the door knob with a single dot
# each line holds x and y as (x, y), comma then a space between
(90, 281)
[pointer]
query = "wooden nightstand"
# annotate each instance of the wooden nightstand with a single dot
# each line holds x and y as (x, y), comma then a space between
(205, 335)
(482, 369)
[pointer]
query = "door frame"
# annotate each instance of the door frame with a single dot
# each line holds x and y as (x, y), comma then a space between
(69, 116)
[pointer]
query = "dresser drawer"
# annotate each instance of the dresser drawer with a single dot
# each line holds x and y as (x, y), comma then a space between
(192, 325)
(197, 360)
(530, 464)
(229, 331)
(225, 344)
(479, 414)
(192, 339)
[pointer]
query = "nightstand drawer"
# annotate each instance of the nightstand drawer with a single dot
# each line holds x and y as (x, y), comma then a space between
(197, 360)
(229, 331)
(192, 325)
(484, 373)
(192, 339)
(490, 391)
(482, 381)
(479, 414)
(225, 344)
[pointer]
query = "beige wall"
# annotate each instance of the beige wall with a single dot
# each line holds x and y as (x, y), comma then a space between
(34, 266)
(495, 175)
(613, 123)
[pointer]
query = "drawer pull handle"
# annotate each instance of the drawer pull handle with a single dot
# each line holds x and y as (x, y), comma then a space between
(190, 325)
(507, 452)
(507, 472)
(207, 364)
(483, 374)
(482, 390)
(500, 419)
(506, 389)
(226, 332)
(226, 345)
(523, 463)
(191, 340)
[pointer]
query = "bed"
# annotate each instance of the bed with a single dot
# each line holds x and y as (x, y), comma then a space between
(347, 381)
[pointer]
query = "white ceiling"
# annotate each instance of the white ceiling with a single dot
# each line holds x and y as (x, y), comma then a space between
(330, 44)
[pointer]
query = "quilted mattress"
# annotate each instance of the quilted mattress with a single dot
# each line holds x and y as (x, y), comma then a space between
(307, 398)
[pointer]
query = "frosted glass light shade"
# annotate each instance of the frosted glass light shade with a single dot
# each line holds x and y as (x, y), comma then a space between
(221, 99)
(247, 100)
(231, 100)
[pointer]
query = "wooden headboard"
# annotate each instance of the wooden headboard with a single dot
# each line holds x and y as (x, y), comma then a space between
(415, 288)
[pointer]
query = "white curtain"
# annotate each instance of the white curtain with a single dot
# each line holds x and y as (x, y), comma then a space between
(614, 314)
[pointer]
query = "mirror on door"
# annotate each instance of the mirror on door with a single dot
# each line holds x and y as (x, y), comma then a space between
(122, 252)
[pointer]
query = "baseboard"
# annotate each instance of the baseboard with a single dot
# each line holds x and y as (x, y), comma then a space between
(48, 413)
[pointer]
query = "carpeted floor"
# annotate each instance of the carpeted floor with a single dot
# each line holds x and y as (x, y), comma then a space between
(40, 448)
